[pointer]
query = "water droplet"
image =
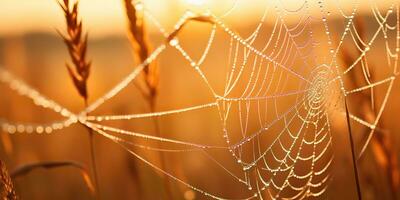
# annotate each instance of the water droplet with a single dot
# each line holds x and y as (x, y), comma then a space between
(173, 42)
(39, 129)
(139, 6)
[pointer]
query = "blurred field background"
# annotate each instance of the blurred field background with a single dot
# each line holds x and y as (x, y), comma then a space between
(31, 49)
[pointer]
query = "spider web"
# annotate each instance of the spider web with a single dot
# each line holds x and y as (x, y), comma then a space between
(280, 95)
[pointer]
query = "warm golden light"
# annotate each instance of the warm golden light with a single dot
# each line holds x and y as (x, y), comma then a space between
(104, 17)
(196, 2)
(199, 99)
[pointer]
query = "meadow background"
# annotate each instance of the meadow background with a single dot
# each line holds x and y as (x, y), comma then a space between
(31, 49)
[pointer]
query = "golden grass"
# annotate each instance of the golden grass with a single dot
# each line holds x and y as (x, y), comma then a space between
(141, 46)
(7, 191)
(76, 42)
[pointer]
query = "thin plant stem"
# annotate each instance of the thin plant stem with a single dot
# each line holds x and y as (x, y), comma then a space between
(152, 104)
(76, 41)
(93, 158)
(353, 156)
(141, 45)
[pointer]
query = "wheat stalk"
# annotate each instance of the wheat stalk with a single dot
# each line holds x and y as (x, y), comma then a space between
(7, 191)
(141, 46)
(77, 47)
(76, 42)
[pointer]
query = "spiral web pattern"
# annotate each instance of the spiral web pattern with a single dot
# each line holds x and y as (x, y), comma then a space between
(280, 95)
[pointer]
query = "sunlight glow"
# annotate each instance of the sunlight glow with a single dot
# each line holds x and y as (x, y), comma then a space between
(196, 2)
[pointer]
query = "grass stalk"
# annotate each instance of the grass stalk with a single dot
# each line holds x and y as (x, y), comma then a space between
(76, 41)
(163, 162)
(353, 156)
(141, 46)
(93, 158)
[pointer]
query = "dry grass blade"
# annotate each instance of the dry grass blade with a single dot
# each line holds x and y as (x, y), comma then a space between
(76, 42)
(7, 191)
(25, 169)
